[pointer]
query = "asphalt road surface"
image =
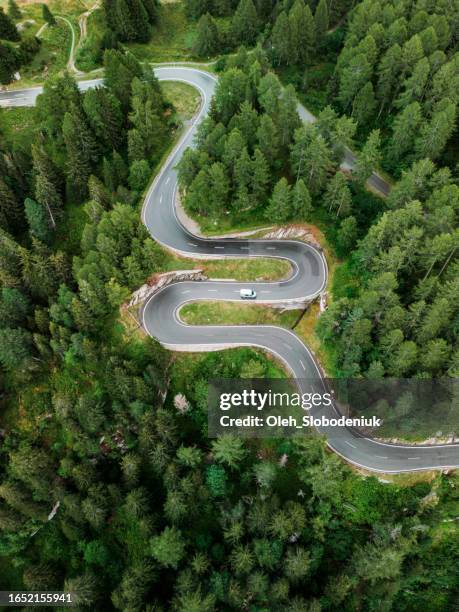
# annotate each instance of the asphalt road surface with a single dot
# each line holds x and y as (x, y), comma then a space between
(161, 313)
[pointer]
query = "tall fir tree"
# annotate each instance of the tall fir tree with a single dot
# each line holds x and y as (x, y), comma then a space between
(321, 20)
(105, 116)
(207, 40)
(8, 30)
(48, 16)
(244, 25)
(82, 152)
(14, 12)
(368, 158)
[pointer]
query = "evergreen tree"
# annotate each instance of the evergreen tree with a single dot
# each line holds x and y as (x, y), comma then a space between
(140, 20)
(14, 12)
(207, 40)
(105, 116)
(321, 19)
(301, 201)
(9, 63)
(369, 158)
(338, 197)
(8, 30)
(280, 205)
(48, 183)
(347, 234)
(15, 347)
(280, 39)
(139, 175)
(244, 25)
(151, 6)
(268, 139)
(404, 131)
(14, 307)
(11, 213)
(38, 220)
(310, 158)
(82, 151)
(168, 548)
(364, 104)
(47, 15)
(260, 178)
(120, 69)
(436, 132)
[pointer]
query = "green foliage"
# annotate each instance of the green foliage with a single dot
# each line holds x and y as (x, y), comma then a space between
(47, 15)
(8, 30)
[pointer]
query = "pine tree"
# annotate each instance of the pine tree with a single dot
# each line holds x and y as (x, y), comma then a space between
(302, 36)
(120, 69)
(38, 220)
(98, 192)
(14, 12)
(388, 76)
(347, 234)
(268, 139)
(11, 213)
(9, 63)
(436, 132)
(260, 178)
(14, 307)
(364, 104)
(280, 208)
(321, 20)
(414, 87)
(369, 158)
(139, 175)
(220, 187)
(140, 20)
(310, 158)
(404, 131)
(8, 30)
(48, 183)
(105, 116)
(124, 25)
(168, 548)
(301, 201)
(48, 16)
(244, 25)
(151, 7)
(353, 77)
(288, 119)
(338, 197)
(82, 151)
(15, 348)
(207, 40)
(280, 39)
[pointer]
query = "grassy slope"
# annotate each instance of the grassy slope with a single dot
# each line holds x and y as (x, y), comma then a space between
(172, 38)
(235, 313)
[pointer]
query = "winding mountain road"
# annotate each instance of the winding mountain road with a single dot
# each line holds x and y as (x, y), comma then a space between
(161, 313)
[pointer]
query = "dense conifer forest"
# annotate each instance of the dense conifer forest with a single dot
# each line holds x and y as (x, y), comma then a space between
(109, 484)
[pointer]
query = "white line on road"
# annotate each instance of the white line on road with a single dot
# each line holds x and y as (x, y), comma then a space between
(187, 291)
(161, 198)
(270, 248)
(287, 345)
(413, 458)
(218, 247)
(191, 244)
(302, 365)
(244, 248)
(265, 291)
(380, 457)
(212, 290)
(349, 444)
(167, 182)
